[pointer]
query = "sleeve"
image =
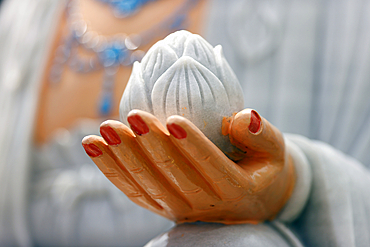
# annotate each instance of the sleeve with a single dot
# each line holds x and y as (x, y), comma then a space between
(298, 200)
(335, 210)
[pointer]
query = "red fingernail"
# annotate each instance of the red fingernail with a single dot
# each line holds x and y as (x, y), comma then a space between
(92, 150)
(177, 131)
(138, 125)
(110, 135)
(255, 124)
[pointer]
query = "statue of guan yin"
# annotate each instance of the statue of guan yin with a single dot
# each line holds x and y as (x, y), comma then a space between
(225, 175)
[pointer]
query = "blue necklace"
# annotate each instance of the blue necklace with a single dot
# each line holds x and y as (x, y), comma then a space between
(125, 8)
(109, 53)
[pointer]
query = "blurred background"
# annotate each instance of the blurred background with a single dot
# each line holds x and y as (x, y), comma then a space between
(303, 65)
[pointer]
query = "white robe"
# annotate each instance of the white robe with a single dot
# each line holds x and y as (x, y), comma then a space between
(309, 77)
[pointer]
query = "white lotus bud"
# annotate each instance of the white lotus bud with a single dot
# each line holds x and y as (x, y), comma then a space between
(184, 75)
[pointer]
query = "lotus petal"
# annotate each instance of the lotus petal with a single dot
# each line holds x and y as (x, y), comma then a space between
(135, 95)
(158, 59)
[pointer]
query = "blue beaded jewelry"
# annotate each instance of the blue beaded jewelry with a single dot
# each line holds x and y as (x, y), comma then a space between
(125, 8)
(109, 53)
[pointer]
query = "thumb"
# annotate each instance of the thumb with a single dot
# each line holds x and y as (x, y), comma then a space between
(255, 135)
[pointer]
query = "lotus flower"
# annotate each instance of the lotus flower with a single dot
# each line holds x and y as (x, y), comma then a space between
(184, 75)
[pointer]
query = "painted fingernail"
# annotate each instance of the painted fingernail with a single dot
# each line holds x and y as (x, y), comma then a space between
(177, 131)
(110, 135)
(255, 124)
(138, 125)
(92, 150)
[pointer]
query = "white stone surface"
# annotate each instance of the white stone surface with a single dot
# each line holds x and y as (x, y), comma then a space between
(184, 75)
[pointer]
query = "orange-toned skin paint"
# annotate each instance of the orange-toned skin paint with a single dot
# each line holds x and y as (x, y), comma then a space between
(178, 173)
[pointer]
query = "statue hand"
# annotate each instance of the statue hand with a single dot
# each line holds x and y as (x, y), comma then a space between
(178, 173)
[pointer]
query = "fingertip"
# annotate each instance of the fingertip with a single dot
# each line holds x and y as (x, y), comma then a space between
(112, 123)
(85, 140)
(255, 125)
(179, 126)
(250, 131)
(241, 122)
(137, 123)
(90, 139)
(142, 114)
(247, 121)
(105, 123)
(246, 128)
(89, 144)
(110, 135)
(142, 122)
(176, 131)
(175, 119)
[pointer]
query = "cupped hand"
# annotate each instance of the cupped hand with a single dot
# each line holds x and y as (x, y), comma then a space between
(180, 174)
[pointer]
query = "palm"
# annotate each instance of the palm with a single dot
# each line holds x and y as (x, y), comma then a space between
(183, 176)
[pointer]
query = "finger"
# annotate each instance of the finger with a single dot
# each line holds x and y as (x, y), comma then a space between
(255, 135)
(98, 151)
(224, 176)
(130, 157)
(169, 161)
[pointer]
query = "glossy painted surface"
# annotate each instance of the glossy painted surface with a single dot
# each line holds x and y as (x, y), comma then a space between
(189, 179)
(110, 135)
(92, 150)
